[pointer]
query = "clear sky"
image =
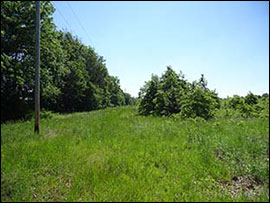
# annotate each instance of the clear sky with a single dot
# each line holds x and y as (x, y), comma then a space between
(226, 41)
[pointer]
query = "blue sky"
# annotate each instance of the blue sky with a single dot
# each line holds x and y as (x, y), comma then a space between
(226, 41)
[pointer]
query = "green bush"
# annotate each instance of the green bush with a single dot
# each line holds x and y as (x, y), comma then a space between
(249, 106)
(44, 114)
(172, 94)
(198, 103)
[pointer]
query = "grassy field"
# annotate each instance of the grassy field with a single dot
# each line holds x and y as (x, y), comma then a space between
(117, 155)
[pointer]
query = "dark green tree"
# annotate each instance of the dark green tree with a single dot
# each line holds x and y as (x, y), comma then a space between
(73, 76)
(147, 95)
(129, 100)
(17, 55)
(198, 102)
(251, 99)
(172, 94)
(117, 97)
(167, 99)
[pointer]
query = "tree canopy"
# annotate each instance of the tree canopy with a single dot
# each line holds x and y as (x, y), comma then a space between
(73, 76)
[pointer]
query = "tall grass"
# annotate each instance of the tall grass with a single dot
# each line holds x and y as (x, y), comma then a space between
(117, 155)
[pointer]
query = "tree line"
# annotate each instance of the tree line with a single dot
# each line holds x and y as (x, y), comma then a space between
(172, 95)
(248, 106)
(73, 76)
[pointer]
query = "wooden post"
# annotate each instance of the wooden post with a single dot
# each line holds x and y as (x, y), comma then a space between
(37, 82)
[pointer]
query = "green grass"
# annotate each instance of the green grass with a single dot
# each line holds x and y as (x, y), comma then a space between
(117, 155)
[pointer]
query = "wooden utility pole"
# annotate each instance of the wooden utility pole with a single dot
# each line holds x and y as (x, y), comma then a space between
(37, 83)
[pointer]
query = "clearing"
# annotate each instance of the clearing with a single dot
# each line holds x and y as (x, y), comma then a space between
(116, 155)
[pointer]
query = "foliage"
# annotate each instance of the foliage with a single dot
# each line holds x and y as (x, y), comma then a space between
(147, 95)
(198, 102)
(246, 107)
(129, 100)
(172, 94)
(251, 99)
(17, 55)
(73, 76)
(169, 94)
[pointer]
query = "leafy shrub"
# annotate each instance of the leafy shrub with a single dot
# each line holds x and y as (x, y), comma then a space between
(251, 99)
(227, 113)
(172, 94)
(263, 104)
(249, 106)
(44, 114)
(198, 102)
(147, 96)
